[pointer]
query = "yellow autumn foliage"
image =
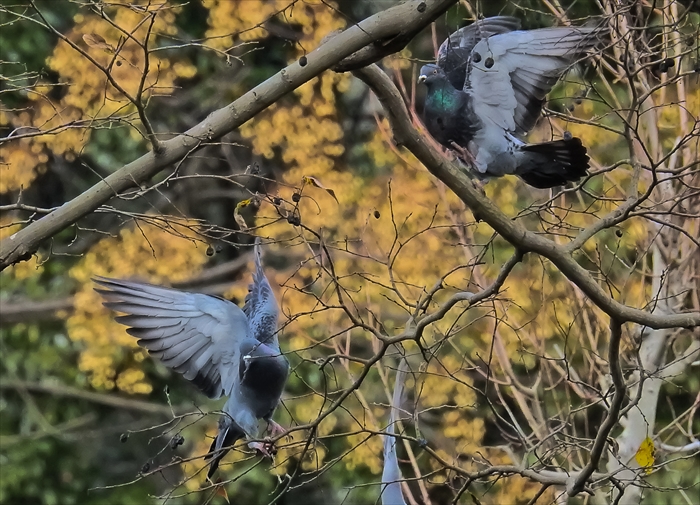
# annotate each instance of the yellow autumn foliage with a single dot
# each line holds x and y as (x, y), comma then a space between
(391, 237)
(89, 96)
(25, 269)
(148, 252)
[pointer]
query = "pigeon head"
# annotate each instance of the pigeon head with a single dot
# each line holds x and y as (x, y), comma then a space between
(431, 74)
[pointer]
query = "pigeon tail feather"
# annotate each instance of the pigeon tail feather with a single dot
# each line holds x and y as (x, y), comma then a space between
(229, 433)
(553, 163)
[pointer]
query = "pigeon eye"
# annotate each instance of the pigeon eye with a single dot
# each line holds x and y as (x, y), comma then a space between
(476, 58)
(489, 62)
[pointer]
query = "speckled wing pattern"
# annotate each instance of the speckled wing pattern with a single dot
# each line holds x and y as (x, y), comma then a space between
(260, 304)
(454, 52)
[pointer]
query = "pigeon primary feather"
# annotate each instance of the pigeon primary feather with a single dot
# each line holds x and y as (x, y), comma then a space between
(487, 90)
(391, 474)
(223, 350)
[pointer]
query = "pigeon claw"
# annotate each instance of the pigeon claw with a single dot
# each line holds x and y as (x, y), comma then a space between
(463, 154)
(275, 429)
(266, 448)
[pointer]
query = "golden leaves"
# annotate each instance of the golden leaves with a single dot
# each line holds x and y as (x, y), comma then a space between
(645, 455)
(159, 255)
(25, 269)
(307, 179)
(88, 93)
(96, 41)
(239, 219)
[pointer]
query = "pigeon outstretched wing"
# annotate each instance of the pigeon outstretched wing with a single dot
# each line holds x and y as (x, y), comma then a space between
(510, 74)
(196, 335)
(454, 52)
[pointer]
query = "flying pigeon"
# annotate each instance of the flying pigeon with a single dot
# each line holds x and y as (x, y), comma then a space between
(217, 346)
(391, 475)
(487, 89)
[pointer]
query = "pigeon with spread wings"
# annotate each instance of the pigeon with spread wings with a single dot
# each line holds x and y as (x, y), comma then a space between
(223, 350)
(484, 98)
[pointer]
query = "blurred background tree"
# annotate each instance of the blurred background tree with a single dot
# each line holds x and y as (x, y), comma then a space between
(364, 243)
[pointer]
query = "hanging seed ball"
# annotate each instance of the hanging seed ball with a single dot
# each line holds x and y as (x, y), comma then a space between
(277, 200)
(377, 215)
(209, 252)
(571, 107)
(296, 197)
(119, 63)
(146, 467)
(303, 61)
(578, 101)
(476, 57)
(293, 220)
(218, 248)
(123, 437)
(568, 135)
(618, 233)
(176, 441)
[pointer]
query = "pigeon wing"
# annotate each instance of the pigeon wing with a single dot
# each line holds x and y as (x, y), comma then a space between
(260, 304)
(454, 52)
(391, 475)
(510, 74)
(195, 335)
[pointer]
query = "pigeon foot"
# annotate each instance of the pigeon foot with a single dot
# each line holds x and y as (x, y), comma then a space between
(266, 448)
(275, 429)
(463, 154)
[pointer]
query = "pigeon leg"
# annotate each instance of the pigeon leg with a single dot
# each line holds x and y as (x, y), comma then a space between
(275, 429)
(267, 448)
(464, 154)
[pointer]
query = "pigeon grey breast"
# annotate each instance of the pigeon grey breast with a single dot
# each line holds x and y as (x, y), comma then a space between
(223, 350)
(507, 77)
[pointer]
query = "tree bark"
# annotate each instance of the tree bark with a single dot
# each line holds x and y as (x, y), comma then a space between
(408, 17)
(522, 239)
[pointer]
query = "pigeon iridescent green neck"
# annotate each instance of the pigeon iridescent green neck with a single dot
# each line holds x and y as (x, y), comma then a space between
(443, 97)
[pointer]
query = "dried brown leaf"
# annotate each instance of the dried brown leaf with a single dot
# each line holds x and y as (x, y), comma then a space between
(97, 42)
(307, 179)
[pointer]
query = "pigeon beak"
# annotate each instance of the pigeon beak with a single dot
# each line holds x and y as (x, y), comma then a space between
(422, 78)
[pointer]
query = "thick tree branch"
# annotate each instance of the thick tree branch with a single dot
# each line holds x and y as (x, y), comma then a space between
(388, 45)
(381, 26)
(523, 240)
(110, 400)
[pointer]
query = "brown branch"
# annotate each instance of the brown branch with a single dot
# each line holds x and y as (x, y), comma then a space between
(110, 400)
(514, 232)
(35, 311)
(211, 281)
(386, 24)
(388, 45)
(612, 418)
